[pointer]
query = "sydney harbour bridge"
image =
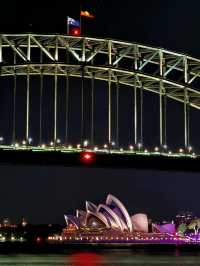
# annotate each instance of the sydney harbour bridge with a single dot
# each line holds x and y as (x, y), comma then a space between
(31, 62)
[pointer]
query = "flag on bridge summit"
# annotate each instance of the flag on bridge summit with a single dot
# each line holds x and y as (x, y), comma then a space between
(73, 22)
(73, 26)
(86, 14)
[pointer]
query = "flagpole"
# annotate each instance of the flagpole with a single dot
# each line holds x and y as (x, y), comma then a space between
(67, 25)
(80, 20)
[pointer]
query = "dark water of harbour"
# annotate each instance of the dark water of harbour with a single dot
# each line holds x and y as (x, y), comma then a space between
(103, 258)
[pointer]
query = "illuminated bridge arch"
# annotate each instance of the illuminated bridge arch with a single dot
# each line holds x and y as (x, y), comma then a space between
(143, 68)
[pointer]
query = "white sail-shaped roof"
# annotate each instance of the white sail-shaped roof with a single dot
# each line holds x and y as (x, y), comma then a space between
(116, 205)
(111, 216)
(140, 222)
(90, 206)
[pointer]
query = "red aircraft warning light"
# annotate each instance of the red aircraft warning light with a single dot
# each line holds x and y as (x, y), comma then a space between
(75, 32)
(87, 157)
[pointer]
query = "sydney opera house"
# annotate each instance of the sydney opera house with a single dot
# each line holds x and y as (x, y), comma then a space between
(110, 222)
(110, 215)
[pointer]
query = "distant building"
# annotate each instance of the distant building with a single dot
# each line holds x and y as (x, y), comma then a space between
(24, 222)
(184, 217)
(6, 222)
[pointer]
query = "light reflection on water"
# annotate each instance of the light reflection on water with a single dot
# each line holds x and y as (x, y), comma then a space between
(103, 258)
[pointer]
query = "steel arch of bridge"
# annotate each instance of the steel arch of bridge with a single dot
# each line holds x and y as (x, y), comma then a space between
(157, 70)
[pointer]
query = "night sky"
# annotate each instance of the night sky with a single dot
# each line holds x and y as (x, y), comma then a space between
(44, 194)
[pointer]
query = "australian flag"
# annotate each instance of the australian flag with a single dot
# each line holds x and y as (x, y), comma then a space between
(73, 26)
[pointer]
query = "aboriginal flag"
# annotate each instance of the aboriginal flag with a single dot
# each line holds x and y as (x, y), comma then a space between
(86, 14)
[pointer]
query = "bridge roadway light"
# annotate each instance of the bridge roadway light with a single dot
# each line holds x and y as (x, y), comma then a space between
(23, 142)
(85, 143)
(180, 150)
(78, 146)
(131, 147)
(112, 143)
(165, 146)
(1, 139)
(139, 146)
(30, 140)
(189, 148)
(58, 141)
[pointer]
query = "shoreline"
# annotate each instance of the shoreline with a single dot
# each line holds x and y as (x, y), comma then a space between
(46, 248)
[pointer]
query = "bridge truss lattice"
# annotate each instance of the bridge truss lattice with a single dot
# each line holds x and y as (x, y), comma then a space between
(144, 68)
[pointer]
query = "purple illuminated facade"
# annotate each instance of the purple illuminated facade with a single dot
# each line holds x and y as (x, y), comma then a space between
(165, 228)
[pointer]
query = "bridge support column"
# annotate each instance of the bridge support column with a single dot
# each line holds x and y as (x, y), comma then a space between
(92, 109)
(186, 107)
(165, 121)
(140, 144)
(67, 108)
(55, 106)
(138, 117)
(41, 99)
(117, 113)
(162, 112)
(14, 108)
(109, 93)
(186, 120)
(41, 103)
(27, 105)
(109, 110)
(14, 104)
(82, 104)
(135, 114)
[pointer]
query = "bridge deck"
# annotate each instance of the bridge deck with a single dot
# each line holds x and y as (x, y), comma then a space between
(99, 159)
